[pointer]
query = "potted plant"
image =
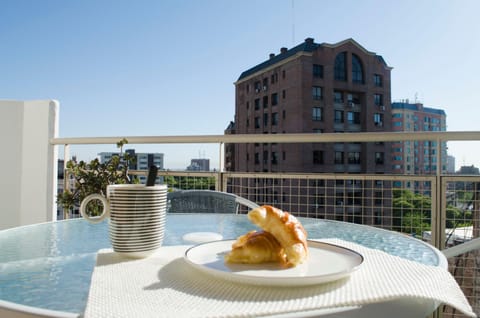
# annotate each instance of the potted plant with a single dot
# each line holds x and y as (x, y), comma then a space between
(94, 177)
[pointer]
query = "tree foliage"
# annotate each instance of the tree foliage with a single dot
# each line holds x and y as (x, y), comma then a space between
(94, 177)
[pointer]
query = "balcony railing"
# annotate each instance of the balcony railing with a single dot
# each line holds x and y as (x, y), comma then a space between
(443, 209)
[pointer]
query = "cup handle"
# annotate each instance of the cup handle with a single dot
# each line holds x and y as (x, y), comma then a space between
(94, 219)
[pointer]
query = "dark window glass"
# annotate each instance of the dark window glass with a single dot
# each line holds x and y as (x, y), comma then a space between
(377, 79)
(317, 70)
(274, 99)
(378, 99)
(317, 157)
(340, 67)
(317, 92)
(339, 116)
(317, 113)
(357, 69)
(274, 119)
(354, 157)
(338, 157)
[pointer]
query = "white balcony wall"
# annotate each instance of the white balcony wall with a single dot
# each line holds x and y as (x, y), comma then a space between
(29, 162)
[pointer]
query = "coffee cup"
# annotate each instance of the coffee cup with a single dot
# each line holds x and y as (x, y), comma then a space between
(137, 215)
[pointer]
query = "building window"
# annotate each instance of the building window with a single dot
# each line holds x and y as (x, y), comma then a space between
(265, 157)
(317, 92)
(274, 158)
(257, 103)
(274, 78)
(257, 86)
(378, 119)
(379, 158)
(340, 68)
(354, 158)
(265, 83)
(274, 99)
(257, 158)
(377, 80)
(378, 99)
(353, 99)
(284, 94)
(337, 97)
(338, 116)
(317, 113)
(257, 122)
(353, 117)
(274, 119)
(265, 101)
(265, 120)
(317, 157)
(338, 157)
(317, 70)
(357, 70)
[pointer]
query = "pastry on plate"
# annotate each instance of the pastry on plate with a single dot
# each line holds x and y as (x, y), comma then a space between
(283, 227)
(256, 247)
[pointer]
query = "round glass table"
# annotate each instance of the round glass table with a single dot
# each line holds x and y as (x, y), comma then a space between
(48, 267)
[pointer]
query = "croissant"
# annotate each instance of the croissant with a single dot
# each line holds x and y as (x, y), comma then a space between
(288, 231)
(255, 248)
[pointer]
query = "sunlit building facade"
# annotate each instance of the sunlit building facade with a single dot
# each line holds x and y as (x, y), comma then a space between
(417, 157)
(313, 88)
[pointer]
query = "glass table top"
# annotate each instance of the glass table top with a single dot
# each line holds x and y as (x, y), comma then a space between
(49, 265)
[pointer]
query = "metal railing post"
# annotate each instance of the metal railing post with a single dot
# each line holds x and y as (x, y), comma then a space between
(66, 175)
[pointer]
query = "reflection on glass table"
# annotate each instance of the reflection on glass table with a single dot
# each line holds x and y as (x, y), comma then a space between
(49, 265)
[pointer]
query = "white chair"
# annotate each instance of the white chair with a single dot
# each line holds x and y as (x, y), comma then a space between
(206, 201)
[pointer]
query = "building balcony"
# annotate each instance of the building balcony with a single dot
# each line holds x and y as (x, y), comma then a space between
(441, 209)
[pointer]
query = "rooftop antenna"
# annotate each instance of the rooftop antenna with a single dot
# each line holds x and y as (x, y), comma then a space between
(293, 22)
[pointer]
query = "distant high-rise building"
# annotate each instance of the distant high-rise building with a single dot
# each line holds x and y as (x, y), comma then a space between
(418, 157)
(314, 88)
(450, 164)
(199, 165)
(143, 161)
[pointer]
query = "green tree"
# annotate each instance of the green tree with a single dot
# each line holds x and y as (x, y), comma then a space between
(94, 177)
(411, 212)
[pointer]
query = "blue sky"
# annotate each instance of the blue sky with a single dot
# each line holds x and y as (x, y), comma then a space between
(121, 68)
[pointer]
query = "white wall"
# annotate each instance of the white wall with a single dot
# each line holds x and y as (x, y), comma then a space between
(28, 162)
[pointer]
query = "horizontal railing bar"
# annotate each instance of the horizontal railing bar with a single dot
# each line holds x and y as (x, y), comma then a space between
(279, 138)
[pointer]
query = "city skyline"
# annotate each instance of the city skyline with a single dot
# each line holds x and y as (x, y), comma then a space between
(168, 68)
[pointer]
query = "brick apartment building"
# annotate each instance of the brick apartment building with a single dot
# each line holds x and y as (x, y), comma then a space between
(320, 88)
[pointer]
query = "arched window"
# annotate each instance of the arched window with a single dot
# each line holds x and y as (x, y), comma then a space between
(341, 67)
(357, 69)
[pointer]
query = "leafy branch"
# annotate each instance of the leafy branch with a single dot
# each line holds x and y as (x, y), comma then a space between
(94, 177)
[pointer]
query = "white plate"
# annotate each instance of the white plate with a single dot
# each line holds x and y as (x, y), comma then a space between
(326, 263)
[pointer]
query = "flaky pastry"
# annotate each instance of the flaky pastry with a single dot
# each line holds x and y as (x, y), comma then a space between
(288, 231)
(255, 248)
